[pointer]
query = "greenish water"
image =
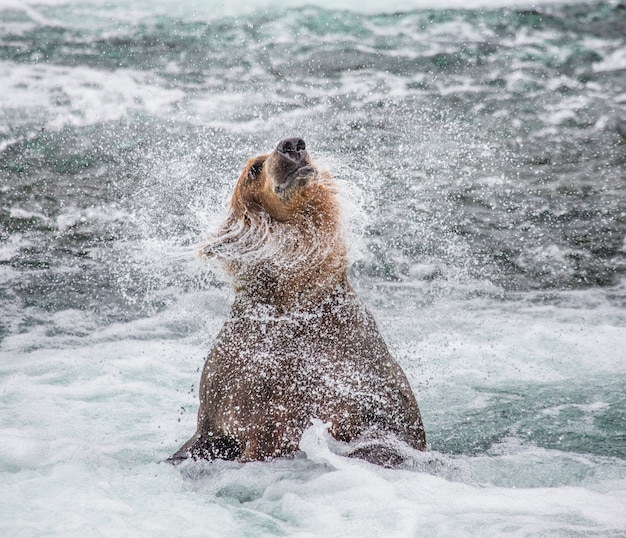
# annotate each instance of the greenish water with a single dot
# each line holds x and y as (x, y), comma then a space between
(481, 158)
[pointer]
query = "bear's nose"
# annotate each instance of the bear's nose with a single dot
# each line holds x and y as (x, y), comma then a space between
(295, 148)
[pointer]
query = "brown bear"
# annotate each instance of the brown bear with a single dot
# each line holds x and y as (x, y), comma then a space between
(298, 345)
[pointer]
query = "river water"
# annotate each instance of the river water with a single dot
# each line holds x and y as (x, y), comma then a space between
(481, 155)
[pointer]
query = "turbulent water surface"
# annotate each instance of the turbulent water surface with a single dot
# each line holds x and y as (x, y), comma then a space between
(481, 155)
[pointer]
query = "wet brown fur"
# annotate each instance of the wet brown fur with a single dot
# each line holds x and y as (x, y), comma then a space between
(298, 345)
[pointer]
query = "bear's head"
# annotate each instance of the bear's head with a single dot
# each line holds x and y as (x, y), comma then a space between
(283, 228)
(280, 184)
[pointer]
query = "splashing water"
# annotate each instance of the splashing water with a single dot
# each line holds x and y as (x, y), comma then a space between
(480, 155)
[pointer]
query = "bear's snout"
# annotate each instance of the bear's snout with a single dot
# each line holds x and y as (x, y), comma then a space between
(289, 165)
(293, 148)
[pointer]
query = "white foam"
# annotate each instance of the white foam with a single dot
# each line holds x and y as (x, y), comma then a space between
(10, 248)
(218, 8)
(616, 61)
(31, 12)
(88, 95)
(10, 141)
(475, 347)
(104, 214)
(89, 425)
(88, 414)
(17, 212)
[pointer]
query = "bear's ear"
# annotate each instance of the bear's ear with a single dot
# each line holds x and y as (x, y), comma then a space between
(254, 168)
(245, 195)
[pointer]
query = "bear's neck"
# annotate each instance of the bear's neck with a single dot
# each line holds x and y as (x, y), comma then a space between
(298, 270)
(285, 297)
(284, 290)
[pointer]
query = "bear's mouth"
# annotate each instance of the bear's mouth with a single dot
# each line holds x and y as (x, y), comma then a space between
(291, 166)
(298, 178)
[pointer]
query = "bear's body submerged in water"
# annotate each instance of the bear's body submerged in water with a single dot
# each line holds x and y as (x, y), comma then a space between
(299, 345)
